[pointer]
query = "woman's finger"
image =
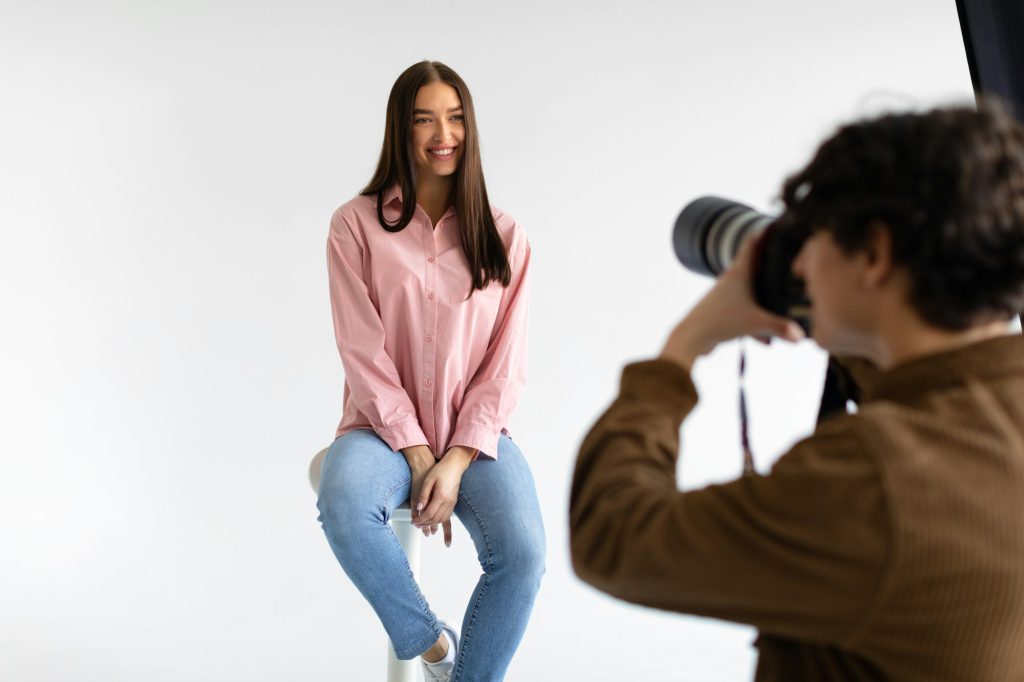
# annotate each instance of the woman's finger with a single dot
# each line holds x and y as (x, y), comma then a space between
(434, 515)
(447, 526)
(427, 519)
(437, 511)
(424, 498)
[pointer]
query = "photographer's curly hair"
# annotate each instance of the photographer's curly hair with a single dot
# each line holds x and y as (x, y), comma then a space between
(949, 184)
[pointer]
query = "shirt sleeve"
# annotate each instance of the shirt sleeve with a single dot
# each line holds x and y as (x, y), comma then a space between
(494, 390)
(797, 553)
(370, 373)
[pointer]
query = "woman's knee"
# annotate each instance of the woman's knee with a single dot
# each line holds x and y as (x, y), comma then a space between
(523, 556)
(341, 506)
(346, 518)
(349, 494)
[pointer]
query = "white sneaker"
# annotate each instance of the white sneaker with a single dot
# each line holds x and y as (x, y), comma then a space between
(441, 671)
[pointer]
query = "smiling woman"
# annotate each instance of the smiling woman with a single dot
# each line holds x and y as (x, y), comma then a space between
(437, 137)
(429, 295)
(437, 102)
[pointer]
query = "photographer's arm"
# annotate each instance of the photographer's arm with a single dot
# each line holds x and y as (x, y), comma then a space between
(727, 312)
(799, 552)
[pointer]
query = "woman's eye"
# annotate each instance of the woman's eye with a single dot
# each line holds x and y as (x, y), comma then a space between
(458, 117)
(421, 119)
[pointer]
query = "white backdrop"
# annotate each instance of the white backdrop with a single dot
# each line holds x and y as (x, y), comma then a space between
(168, 366)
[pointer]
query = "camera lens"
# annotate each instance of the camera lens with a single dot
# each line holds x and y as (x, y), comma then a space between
(708, 234)
(709, 231)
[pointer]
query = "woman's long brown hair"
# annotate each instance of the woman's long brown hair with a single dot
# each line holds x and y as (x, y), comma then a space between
(478, 234)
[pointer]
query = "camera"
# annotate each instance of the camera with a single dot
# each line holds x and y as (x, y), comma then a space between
(708, 234)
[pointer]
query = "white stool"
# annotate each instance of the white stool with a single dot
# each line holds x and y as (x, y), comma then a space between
(409, 537)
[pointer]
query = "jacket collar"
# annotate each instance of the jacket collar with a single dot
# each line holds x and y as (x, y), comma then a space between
(989, 359)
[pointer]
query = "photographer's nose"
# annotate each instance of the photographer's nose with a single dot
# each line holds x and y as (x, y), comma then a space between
(798, 262)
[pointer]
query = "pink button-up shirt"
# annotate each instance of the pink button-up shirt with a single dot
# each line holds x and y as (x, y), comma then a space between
(423, 365)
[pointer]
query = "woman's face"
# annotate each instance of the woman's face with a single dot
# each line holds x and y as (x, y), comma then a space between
(438, 130)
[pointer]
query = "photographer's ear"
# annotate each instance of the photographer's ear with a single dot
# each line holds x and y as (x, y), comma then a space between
(877, 255)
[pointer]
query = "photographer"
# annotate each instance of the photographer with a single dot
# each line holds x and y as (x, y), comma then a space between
(889, 544)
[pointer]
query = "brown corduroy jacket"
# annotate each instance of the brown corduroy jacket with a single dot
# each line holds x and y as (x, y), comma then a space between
(888, 545)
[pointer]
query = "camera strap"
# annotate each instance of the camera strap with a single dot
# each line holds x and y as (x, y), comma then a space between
(748, 456)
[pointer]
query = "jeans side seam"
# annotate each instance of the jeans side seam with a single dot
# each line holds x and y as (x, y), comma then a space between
(411, 652)
(389, 493)
(485, 583)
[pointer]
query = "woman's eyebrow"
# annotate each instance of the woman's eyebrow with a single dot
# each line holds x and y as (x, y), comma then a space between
(431, 111)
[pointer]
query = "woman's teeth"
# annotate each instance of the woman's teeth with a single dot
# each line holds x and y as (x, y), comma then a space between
(443, 152)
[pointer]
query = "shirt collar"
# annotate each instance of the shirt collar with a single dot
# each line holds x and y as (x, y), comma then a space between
(392, 193)
(1001, 356)
(392, 198)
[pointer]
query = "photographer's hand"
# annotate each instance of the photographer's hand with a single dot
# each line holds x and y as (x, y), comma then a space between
(727, 312)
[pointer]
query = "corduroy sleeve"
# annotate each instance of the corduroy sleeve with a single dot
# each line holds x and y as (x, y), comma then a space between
(799, 552)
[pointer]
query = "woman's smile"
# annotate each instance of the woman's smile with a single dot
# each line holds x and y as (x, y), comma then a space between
(445, 153)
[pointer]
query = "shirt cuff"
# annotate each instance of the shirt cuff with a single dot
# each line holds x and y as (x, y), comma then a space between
(402, 434)
(480, 437)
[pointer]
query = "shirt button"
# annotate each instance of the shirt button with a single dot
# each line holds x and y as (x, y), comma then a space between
(429, 339)
(430, 259)
(430, 295)
(428, 383)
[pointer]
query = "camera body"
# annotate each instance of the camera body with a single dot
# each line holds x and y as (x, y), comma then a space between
(708, 234)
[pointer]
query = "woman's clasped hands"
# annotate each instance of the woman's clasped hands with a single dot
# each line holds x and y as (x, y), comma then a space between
(435, 489)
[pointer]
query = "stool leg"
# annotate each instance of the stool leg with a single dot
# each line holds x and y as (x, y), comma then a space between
(409, 538)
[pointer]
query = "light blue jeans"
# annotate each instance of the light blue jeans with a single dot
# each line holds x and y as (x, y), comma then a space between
(364, 481)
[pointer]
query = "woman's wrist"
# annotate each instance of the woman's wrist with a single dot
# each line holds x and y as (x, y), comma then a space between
(460, 456)
(419, 457)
